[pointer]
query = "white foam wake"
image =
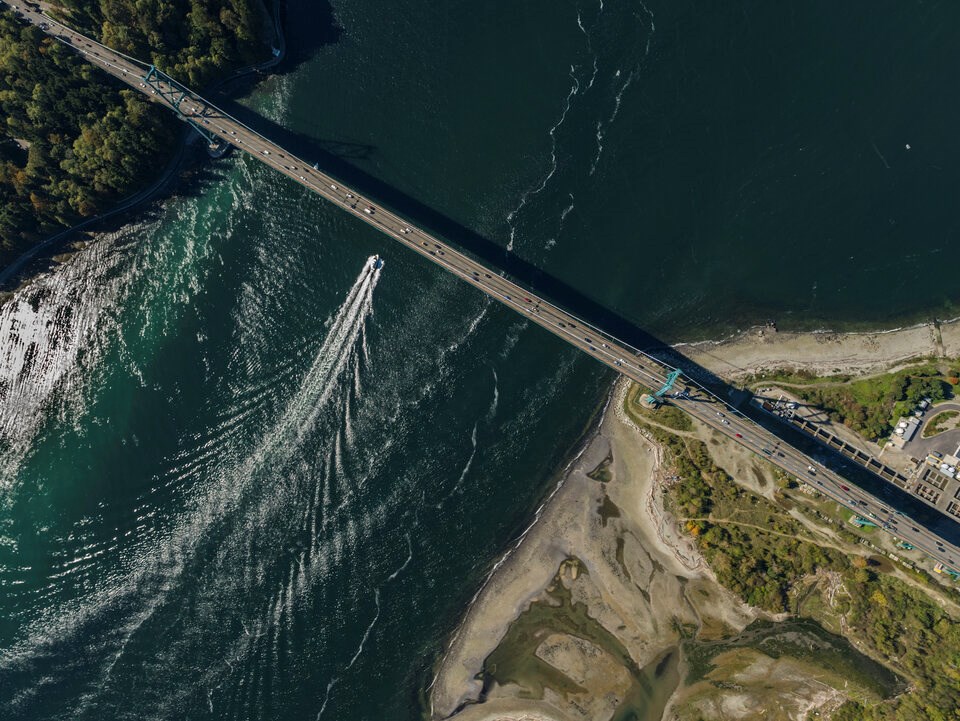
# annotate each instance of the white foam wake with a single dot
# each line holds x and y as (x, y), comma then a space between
(168, 555)
(329, 362)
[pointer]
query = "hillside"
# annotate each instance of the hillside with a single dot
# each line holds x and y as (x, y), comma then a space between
(74, 141)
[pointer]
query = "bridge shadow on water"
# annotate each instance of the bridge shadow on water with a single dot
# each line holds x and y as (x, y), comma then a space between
(338, 157)
(334, 159)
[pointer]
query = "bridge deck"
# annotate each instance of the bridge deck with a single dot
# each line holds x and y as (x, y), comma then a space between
(618, 356)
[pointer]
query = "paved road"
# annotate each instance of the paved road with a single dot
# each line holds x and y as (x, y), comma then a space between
(622, 358)
(945, 442)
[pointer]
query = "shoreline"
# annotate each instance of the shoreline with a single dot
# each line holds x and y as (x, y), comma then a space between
(605, 591)
(762, 349)
(569, 526)
(52, 248)
(458, 638)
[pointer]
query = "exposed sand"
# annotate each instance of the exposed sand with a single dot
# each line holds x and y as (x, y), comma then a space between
(763, 348)
(659, 578)
(656, 578)
(608, 544)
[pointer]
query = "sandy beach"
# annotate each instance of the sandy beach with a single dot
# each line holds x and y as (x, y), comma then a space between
(763, 348)
(639, 591)
(599, 595)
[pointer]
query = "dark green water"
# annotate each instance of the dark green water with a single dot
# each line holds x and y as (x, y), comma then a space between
(243, 477)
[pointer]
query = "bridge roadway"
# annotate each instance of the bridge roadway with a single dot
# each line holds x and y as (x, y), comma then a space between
(634, 364)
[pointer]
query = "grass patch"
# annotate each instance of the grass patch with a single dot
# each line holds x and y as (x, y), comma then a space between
(664, 415)
(794, 376)
(870, 406)
(761, 553)
(941, 422)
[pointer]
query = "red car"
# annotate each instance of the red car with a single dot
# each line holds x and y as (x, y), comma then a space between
(738, 435)
(844, 488)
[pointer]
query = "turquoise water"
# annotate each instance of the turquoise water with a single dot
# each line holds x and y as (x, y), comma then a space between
(242, 475)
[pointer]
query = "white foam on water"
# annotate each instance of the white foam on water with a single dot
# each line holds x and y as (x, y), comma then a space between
(602, 126)
(552, 132)
(466, 468)
(356, 376)
(167, 556)
(369, 629)
(593, 55)
(471, 328)
(496, 397)
(348, 423)
(563, 216)
(513, 337)
(473, 454)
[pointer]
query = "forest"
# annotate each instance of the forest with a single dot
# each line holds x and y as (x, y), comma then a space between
(194, 41)
(75, 141)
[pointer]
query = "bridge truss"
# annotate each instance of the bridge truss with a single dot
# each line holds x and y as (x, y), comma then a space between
(175, 93)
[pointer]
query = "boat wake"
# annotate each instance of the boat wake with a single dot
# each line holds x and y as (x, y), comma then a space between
(249, 498)
(366, 634)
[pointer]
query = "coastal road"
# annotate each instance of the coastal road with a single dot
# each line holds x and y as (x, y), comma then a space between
(619, 356)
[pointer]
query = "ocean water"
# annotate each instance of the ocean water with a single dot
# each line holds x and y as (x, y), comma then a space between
(243, 474)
